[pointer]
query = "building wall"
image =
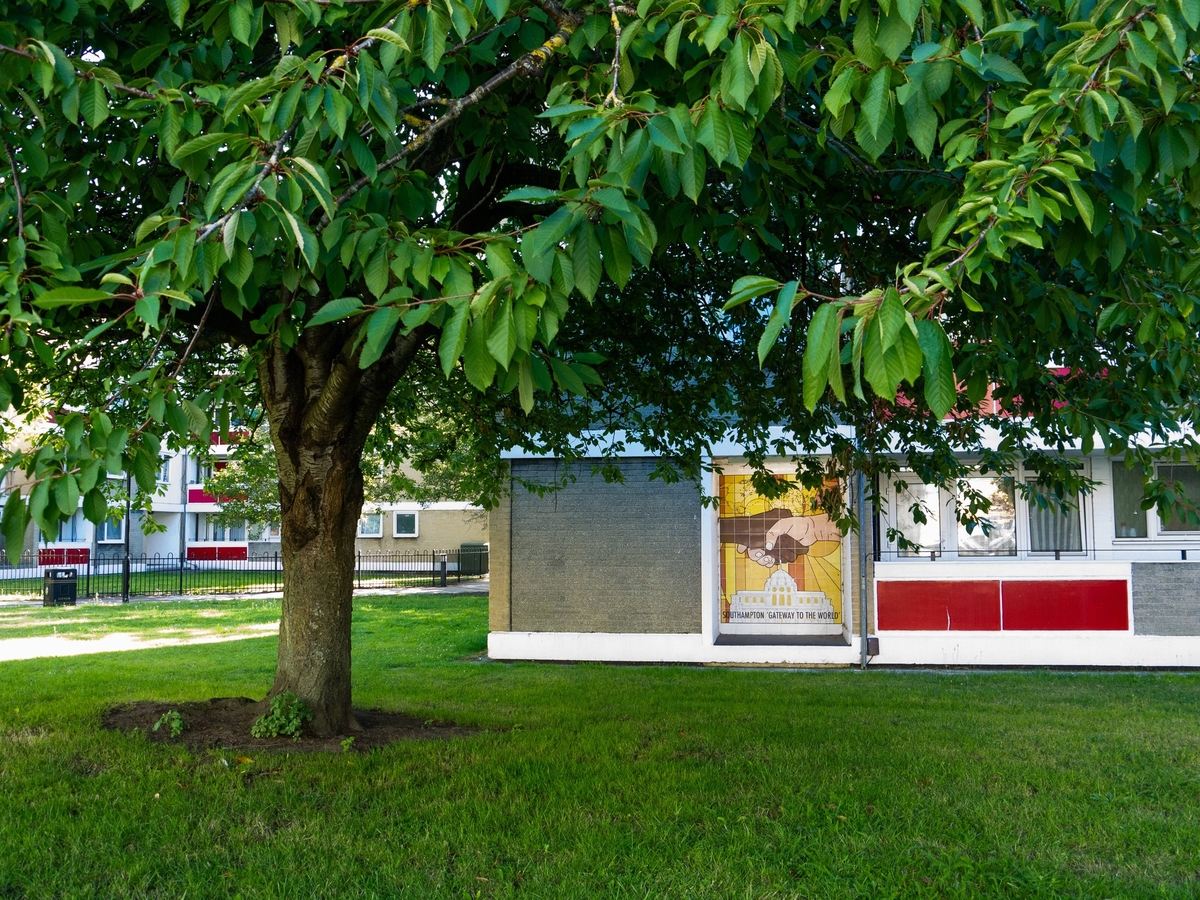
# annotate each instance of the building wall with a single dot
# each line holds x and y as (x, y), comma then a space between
(500, 558)
(1166, 598)
(598, 557)
(438, 528)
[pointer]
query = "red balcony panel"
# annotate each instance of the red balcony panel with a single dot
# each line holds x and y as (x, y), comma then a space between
(199, 495)
(1066, 605)
(79, 556)
(52, 556)
(939, 605)
(201, 553)
(231, 553)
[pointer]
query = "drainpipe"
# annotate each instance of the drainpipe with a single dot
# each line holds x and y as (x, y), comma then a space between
(128, 529)
(183, 490)
(862, 563)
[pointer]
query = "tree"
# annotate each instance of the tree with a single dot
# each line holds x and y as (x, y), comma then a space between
(353, 210)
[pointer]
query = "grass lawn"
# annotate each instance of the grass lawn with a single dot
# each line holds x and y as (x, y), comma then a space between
(600, 781)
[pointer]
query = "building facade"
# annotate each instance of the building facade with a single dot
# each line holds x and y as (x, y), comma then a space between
(644, 571)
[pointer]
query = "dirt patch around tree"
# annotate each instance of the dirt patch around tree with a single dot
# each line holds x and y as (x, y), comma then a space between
(225, 722)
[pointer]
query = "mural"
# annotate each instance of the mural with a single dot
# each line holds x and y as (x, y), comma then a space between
(781, 562)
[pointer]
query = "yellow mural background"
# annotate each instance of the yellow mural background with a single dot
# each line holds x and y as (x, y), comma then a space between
(818, 570)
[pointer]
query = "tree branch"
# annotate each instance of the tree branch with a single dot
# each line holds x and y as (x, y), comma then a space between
(528, 65)
(267, 168)
(16, 187)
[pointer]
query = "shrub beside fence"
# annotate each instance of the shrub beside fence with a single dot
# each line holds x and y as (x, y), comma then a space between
(159, 576)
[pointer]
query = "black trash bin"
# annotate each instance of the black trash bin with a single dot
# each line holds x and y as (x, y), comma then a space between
(59, 587)
(473, 559)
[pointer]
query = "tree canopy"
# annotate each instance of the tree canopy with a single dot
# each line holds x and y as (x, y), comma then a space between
(530, 214)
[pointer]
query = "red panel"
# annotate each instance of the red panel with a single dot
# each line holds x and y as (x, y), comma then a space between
(201, 552)
(939, 605)
(199, 495)
(51, 556)
(1066, 606)
(231, 553)
(80, 556)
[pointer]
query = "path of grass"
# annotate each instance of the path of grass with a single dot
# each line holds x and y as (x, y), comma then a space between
(606, 781)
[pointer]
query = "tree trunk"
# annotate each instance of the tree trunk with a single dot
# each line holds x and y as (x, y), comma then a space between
(319, 527)
(321, 408)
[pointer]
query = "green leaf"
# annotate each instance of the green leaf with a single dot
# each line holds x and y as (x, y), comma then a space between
(177, 9)
(207, 142)
(1004, 69)
(973, 9)
(384, 34)
(239, 22)
(822, 342)
(939, 370)
(748, 287)
(478, 363)
(379, 329)
(304, 239)
(567, 378)
(781, 314)
(890, 317)
(525, 385)
(95, 507)
(13, 525)
(671, 47)
(1083, 203)
(93, 103)
(196, 417)
(335, 310)
(875, 103)
(502, 342)
(454, 337)
(147, 308)
(434, 46)
(70, 296)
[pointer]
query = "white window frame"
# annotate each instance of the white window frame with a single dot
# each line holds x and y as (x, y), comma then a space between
(893, 519)
(164, 471)
(949, 526)
(1160, 527)
(102, 536)
(1027, 525)
(362, 521)
(397, 533)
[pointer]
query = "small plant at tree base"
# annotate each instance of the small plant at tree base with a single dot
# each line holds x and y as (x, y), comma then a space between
(287, 716)
(174, 722)
(347, 743)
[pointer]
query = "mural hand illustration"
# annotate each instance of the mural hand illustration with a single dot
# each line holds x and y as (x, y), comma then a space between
(803, 530)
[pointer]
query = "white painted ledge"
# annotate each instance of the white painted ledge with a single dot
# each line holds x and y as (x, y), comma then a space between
(1082, 649)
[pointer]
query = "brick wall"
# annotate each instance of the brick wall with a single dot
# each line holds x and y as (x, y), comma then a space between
(1166, 598)
(597, 557)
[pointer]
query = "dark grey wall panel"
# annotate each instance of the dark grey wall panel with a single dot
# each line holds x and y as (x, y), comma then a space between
(597, 557)
(1166, 598)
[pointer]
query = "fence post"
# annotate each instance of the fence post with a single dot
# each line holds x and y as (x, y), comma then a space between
(443, 568)
(275, 571)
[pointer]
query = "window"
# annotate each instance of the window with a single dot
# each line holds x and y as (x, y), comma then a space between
(70, 530)
(209, 529)
(1000, 539)
(922, 528)
(164, 472)
(270, 532)
(405, 525)
(1187, 483)
(203, 472)
(1055, 530)
(1129, 517)
(111, 531)
(371, 525)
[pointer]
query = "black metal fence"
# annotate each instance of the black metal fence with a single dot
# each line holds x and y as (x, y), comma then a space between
(158, 576)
